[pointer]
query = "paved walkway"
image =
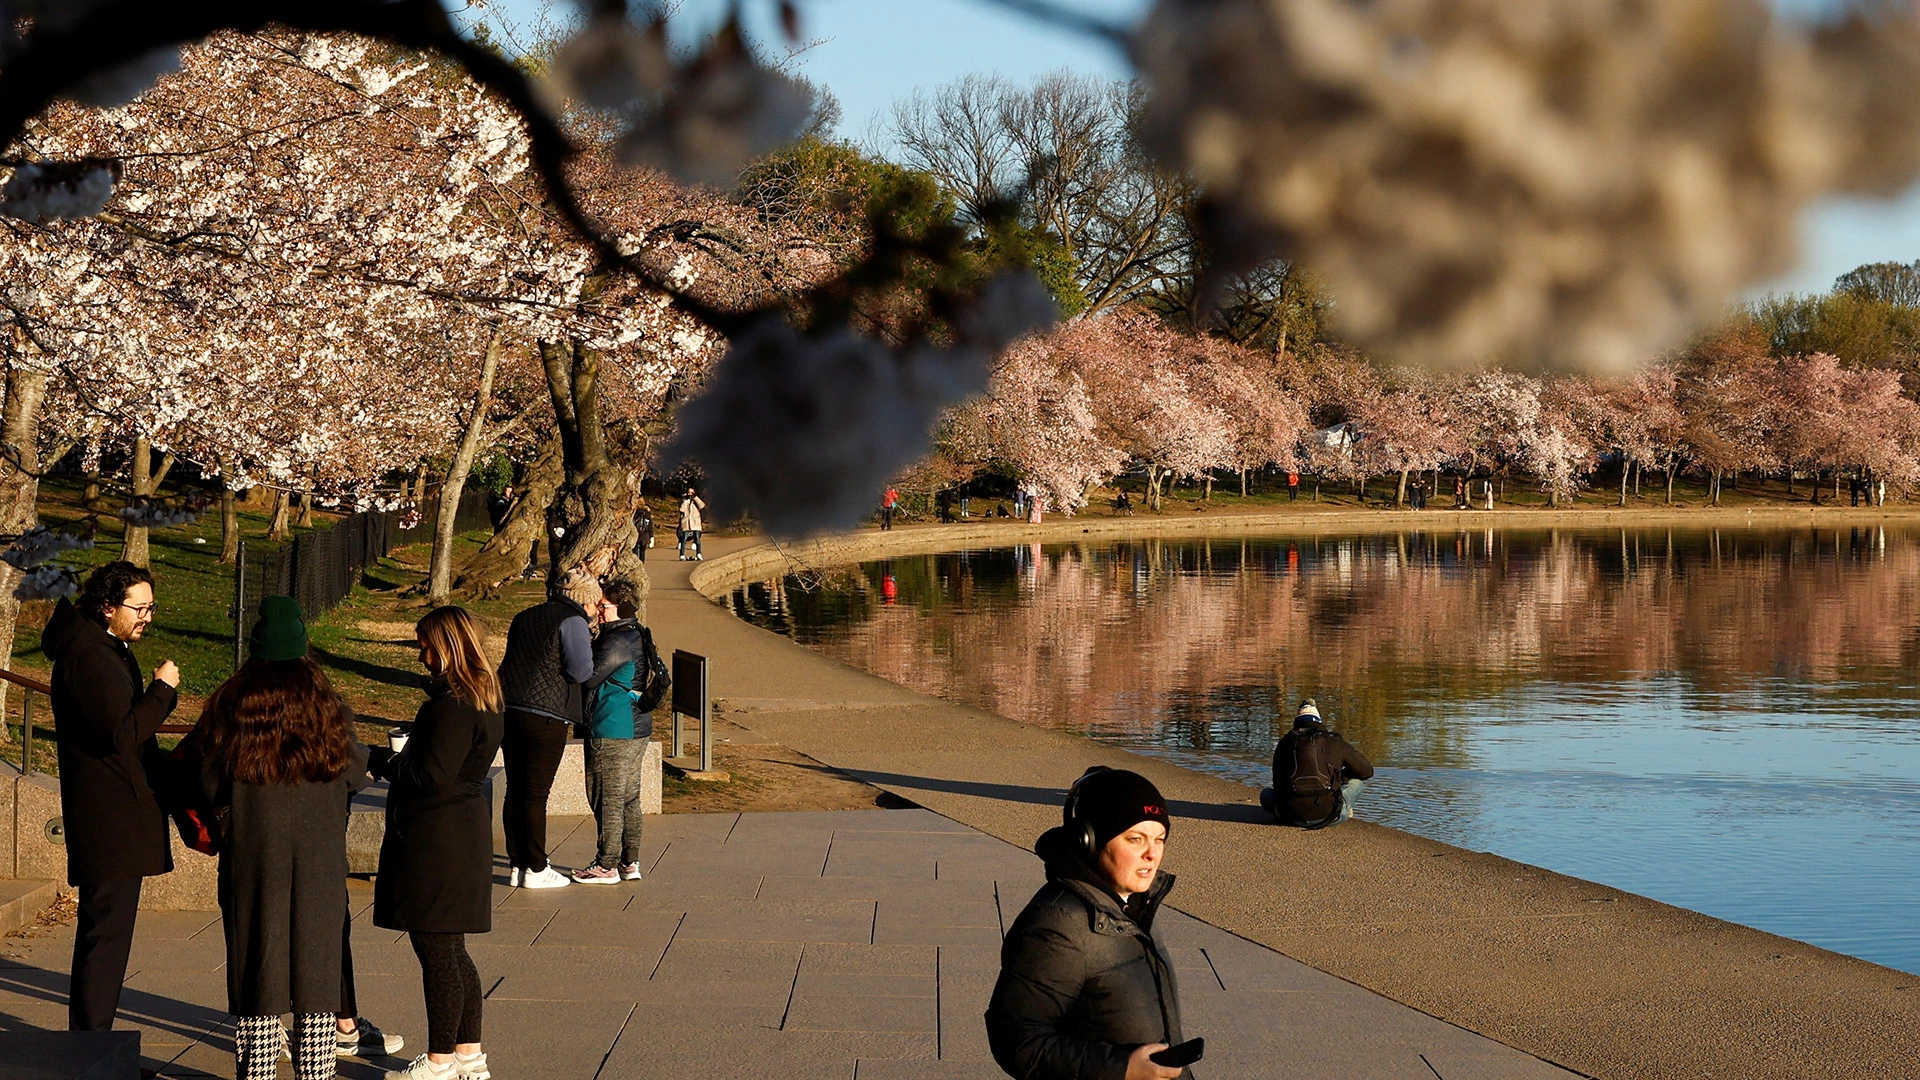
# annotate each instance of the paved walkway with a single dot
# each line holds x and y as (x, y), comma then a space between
(854, 945)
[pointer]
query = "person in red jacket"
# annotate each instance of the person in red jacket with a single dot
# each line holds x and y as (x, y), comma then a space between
(888, 504)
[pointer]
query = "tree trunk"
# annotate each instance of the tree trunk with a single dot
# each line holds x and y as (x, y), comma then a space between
(1208, 497)
(277, 528)
(229, 527)
(1626, 470)
(1400, 497)
(511, 548)
(303, 519)
(1670, 471)
(1713, 483)
(19, 491)
(133, 542)
(1243, 483)
(1153, 488)
(440, 572)
(596, 503)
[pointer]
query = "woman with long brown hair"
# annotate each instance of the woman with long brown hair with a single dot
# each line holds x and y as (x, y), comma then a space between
(275, 746)
(436, 864)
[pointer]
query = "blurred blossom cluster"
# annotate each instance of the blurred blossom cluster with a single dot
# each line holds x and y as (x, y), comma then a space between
(46, 191)
(47, 583)
(700, 122)
(41, 545)
(803, 429)
(1562, 182)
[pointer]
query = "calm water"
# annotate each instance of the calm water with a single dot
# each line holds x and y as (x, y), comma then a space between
(1720, 720)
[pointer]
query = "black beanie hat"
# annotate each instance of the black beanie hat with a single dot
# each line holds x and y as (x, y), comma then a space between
(1113, 801)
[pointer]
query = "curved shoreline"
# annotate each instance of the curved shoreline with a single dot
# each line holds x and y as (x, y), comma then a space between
(1601, 981)
(766, 559)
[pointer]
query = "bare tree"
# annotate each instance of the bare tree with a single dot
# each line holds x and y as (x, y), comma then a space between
(1064, 149)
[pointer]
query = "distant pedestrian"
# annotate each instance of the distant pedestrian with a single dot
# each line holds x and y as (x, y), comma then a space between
(889, 502)
(276, 748)
(499, 504)
(1317, 775)
(966, 502)
(549, 656)
(943, 506)
(1035, 505)
(643, 529)
(690, 506)
(619, 726)
(1002, 511)
(436, 863)
(1293, 485)
(1086, 986)
(1020, 502)
(105, 718)
(1122, 504)
(1459, 493)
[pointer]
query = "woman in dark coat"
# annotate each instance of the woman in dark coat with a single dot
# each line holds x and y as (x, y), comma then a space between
(1085, 990)
(436, 863)
(275, 747)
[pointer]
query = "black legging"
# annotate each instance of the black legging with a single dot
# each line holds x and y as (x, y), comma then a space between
(532, 748)
(453, 990)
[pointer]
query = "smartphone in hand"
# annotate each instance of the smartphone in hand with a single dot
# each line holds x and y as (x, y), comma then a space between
(1175, 1057)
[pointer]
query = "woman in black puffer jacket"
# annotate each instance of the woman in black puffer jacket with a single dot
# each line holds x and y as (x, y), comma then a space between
(1085, 989)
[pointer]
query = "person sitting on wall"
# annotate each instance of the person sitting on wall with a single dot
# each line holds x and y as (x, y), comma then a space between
(1317, 774)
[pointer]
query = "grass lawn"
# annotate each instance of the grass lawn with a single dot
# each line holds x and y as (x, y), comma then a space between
(366, 642)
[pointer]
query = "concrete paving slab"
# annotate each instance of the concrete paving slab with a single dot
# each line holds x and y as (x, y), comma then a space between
(928, 1070)
(529, 1039)
(65, 1055)
(847, 921)
(919, 961)
(841, 1012)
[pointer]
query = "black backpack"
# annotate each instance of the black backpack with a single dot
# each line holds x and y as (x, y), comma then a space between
(652, 671)
(1316, 765)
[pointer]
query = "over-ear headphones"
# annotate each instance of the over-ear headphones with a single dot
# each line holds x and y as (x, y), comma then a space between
(1078, 828)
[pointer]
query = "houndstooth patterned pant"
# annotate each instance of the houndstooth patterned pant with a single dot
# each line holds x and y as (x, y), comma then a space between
(257, 1042)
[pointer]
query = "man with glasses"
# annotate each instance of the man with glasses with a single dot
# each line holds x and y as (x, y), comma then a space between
(107, 716)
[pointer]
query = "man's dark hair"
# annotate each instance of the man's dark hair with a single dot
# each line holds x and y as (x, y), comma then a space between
(107, 587)
(624, 596)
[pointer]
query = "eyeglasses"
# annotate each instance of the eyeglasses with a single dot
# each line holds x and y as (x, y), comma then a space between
(141, 609)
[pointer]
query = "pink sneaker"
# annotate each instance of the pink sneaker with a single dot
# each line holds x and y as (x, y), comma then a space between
(595, 874)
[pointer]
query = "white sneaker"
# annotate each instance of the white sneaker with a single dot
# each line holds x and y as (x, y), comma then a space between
(545, 879)
(630, 871)
(367, 1040)
(423, 1068)
(514, 875)
(472, 1068)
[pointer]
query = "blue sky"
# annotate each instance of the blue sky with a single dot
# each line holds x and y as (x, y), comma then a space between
(873, 52)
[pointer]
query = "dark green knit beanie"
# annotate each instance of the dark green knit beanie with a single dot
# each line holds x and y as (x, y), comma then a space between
(281, 634)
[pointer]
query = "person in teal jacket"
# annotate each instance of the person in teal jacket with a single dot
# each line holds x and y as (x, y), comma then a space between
(617, 735)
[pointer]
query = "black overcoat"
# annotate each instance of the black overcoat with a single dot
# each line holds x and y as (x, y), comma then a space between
(1083, 980)
(436, 863)
(283, 890)
(106, 716)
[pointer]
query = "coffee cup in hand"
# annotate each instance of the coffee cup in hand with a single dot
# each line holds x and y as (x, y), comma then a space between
(397, 740)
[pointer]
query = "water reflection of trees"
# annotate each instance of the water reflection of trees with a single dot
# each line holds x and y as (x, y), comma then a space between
(1204, 645)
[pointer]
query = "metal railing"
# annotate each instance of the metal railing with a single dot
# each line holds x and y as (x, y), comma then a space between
(32, 686)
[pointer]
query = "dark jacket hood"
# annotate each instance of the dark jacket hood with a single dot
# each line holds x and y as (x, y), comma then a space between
(1068, 865)
(67, 628)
